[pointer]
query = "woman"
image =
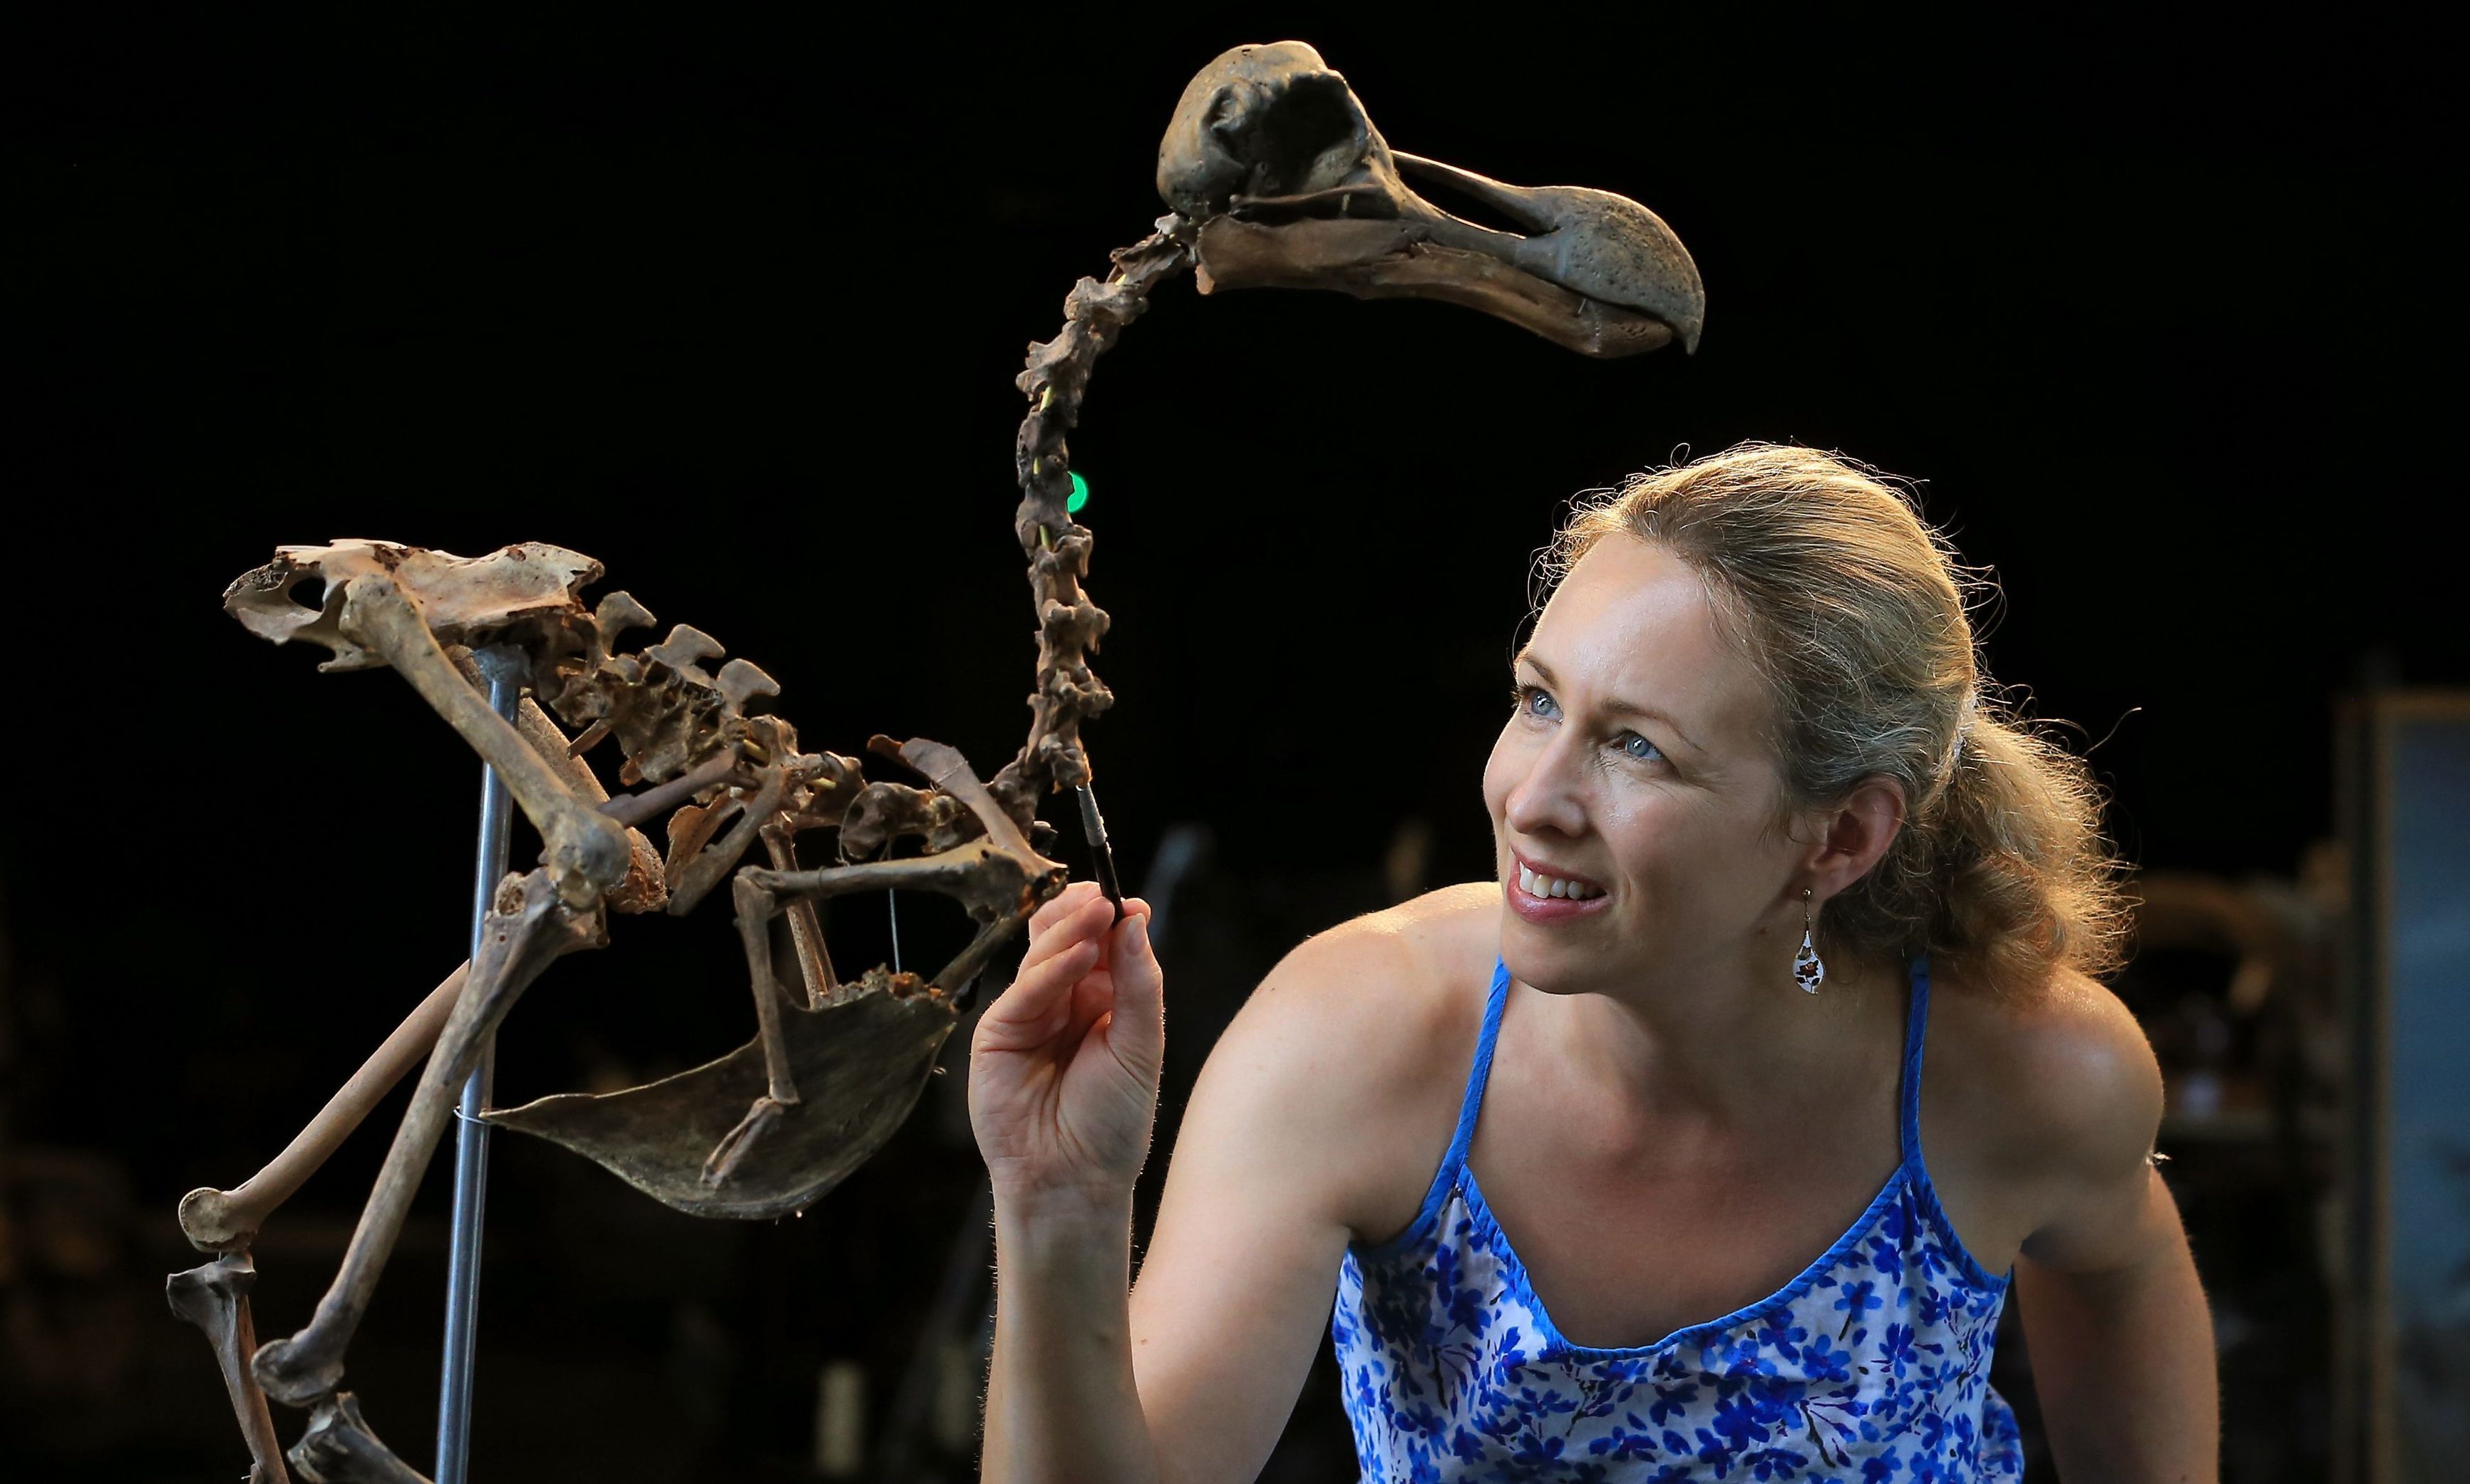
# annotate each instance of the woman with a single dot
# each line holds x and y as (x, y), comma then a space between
(1616, 1163)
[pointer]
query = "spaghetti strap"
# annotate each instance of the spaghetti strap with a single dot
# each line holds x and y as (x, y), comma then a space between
(1477, 1075)
(1916, 1030)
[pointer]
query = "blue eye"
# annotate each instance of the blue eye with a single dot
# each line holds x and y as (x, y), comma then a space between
(1632, 745)
(1537, 704)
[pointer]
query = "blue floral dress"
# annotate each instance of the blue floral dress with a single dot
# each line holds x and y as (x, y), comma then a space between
(1872, 1365)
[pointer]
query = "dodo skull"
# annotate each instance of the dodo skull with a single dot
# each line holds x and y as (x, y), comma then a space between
(1273, 154)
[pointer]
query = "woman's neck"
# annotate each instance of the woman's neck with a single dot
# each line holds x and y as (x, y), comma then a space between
(1715, 1042)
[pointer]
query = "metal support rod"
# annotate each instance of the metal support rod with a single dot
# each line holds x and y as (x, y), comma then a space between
(504, 673)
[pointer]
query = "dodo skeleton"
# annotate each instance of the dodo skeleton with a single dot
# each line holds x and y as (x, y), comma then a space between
(1273, 177)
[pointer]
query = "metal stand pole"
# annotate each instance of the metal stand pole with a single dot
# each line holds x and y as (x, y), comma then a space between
(503, 671)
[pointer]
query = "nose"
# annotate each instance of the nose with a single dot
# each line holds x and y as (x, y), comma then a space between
(1551, 798)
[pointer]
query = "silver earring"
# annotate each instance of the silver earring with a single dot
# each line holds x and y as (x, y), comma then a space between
(1807, 971)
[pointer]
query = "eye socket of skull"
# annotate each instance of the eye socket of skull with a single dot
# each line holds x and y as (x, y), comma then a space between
(1307, 136)
(1271, 121)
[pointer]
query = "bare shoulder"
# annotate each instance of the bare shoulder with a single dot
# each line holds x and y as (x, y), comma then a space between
(1359, 1042)
(1376, 1007)
(1391, 967)
(2063, 1075)
(2030, 1099)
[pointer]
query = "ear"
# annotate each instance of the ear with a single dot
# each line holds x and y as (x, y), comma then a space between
(1853, 834)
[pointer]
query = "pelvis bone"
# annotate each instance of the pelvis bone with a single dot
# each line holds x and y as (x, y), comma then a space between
(1273, 154)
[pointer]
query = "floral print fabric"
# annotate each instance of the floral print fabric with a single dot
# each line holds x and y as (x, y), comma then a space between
(1872, 1367)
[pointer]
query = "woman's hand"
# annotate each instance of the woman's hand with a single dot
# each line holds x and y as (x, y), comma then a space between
(1064, 1069)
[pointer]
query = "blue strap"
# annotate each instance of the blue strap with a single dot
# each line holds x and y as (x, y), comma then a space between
(1477, 1075)
(1909, 1093)
(1916, 1029)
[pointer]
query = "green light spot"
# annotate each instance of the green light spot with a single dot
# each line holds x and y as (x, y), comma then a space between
(1080, 495)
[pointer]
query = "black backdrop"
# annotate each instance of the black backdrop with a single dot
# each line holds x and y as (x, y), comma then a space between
(735, 308)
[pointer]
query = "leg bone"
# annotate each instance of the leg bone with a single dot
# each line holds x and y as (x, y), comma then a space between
(642, 890)
(215, 1298)
(225, 1220)
(529, 930)
(754, 910)
(974, 871)
(340, 1449)
(806, 934)
(586, 849)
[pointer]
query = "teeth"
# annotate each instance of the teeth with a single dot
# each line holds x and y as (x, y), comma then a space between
(1535, 884)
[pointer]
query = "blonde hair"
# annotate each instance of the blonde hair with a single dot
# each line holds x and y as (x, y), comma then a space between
(1853, 612)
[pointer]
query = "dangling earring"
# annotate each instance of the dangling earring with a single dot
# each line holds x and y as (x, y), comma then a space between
(1807, 971)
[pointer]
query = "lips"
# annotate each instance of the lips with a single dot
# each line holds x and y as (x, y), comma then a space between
(1540, 894)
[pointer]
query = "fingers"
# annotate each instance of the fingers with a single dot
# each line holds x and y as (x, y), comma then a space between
(1062, 984)
(1085, 916)
(1038, 1003)
(1062, 904)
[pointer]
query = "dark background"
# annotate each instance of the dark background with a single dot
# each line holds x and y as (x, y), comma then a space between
(735, 308)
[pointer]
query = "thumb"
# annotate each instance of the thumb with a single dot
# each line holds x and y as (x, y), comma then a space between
(1138, 1029)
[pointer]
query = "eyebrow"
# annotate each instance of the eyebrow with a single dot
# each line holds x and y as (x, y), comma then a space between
(1614, 705)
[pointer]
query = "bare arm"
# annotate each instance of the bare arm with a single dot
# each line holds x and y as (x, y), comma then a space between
(1313, 1119)
(2123, 1352)
(1061, 1402)
(1189, 1380)
(1063, 1077)
(1192, 1381)
(2122, 1342)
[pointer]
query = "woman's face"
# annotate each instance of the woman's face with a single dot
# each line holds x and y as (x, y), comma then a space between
(1634, 769)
